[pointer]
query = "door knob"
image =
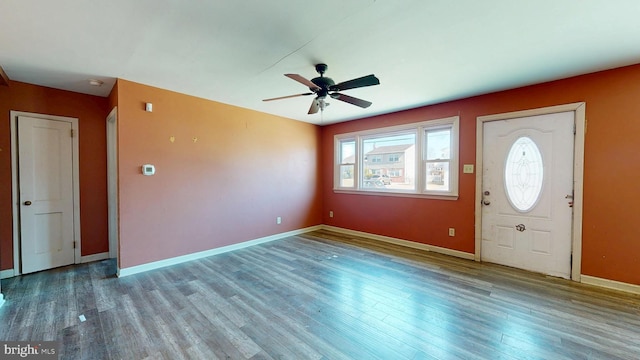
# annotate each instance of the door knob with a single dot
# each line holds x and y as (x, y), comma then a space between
(27, 203)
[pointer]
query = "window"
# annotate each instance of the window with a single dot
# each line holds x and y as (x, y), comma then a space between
(376, 147)
(347, 163)
(437, 158)
(417, 159)
(524, 174)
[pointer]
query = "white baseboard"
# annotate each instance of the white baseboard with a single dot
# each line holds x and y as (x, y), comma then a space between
(401, 242)
(94, 257)
(610, 284)
(5, 274)
(202, 254)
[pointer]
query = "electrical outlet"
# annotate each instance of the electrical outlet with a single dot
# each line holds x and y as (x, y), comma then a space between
(278, 220)
(452, 232)
(467, 169)
(330, 214)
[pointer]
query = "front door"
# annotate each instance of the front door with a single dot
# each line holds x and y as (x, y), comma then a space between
(527, 190)
(45, 167)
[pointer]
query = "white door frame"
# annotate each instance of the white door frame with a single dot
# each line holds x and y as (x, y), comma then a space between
(578, 175)
(112, 181)
(15, 185)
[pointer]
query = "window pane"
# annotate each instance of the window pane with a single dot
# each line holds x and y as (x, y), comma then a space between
(438, 176)
(347, 152)
(439, 144)
(389, 162)
(346, 175)
(524, 174)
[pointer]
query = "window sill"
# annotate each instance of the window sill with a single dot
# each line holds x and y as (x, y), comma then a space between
(397, 194)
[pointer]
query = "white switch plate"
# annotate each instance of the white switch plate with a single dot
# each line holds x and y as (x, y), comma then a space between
(278, 220)
(467, 169)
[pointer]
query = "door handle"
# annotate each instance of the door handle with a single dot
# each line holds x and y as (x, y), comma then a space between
(486, 202)
(27, 203)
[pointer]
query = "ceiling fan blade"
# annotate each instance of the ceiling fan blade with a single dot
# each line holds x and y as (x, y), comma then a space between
(368, 80)
(288, 96)
(351, 100)
(315, 106)
(303, 81)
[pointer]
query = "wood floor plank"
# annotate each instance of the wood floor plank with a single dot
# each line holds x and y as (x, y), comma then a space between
(320, 295)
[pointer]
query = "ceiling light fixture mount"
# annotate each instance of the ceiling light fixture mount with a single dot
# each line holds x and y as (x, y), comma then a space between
(95, 82)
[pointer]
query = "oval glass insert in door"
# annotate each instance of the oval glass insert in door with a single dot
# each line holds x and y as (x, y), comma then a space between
(523, 174)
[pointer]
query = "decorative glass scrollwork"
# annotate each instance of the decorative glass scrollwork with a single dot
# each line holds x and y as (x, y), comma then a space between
(524, 174)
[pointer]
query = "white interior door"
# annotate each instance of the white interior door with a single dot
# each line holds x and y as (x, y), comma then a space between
(45, 163)
(527, 189)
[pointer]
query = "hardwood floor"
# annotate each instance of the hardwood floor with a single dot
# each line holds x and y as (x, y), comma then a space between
(320, 295)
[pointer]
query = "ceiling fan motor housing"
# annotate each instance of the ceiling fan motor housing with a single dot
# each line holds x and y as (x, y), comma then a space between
(323, 83)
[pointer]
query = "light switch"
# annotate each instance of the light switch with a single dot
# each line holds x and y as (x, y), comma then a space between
(467, 169)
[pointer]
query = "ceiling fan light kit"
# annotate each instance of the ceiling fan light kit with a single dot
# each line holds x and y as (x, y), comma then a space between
(323, 86)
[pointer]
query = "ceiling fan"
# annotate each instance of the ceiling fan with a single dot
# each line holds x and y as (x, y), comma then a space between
(323, 86)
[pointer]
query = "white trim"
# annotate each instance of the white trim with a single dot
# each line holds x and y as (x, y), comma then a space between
(396, 194)
(14, 193)
(94, 257)
(610, 284)
(112, 181)
(578, 190)
(1, 300)
(14, 183)
(401, 242)
(5, 274)
(579, 110)
(202, 254)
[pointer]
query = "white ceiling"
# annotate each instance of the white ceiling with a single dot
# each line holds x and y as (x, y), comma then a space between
(236, 51)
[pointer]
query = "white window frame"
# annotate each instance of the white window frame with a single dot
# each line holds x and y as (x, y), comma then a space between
(420, 130)
(338, 161)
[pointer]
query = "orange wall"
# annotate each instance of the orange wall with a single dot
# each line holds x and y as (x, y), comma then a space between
(91, 112)
(245, 169)
(611, 239)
